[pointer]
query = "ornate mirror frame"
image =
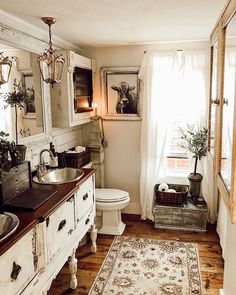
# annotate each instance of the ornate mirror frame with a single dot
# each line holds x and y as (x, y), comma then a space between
(26, 42)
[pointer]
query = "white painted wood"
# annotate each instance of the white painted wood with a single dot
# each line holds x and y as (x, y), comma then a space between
(84, 199)
(24, 41)
(53, 247)
(221, 292)
(21, 254)
(22, 26)
(79, 60)
(73, 269)
(59, 228)
(63, 114)
(93, 236)
(66, 138)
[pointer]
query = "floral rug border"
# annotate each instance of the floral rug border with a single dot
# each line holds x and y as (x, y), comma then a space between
(111, 257)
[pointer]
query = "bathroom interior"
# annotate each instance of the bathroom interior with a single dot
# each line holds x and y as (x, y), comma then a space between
(92, 167)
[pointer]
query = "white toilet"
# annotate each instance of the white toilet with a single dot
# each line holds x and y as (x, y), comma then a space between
(109, 203)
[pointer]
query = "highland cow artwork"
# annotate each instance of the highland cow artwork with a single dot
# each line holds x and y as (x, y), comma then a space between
(121, 93)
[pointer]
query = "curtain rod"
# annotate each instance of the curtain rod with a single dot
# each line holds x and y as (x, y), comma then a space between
(178, 50)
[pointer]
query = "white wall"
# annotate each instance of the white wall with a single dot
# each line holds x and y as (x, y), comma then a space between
(122, 156)
(227, 233)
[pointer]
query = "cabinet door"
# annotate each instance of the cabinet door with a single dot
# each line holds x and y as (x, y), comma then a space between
(60, 226)
(228, 104)
(84, 198)
(214, 100)
(18, 265)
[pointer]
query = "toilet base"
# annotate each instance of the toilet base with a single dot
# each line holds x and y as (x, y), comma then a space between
(110, 223)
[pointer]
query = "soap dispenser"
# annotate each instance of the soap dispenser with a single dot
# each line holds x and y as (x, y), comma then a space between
(54, 161)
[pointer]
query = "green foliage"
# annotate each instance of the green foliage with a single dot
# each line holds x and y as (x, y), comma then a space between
(194, 141)
(17, 98)
(5, 147)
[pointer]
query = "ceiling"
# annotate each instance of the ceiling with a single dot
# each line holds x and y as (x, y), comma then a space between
(121, 22)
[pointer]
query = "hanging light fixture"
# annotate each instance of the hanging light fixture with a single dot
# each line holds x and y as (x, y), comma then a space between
(50, 63)
(5, 68)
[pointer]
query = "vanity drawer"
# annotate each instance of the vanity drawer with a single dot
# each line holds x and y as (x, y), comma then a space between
(86, 222)
(84, 198)
(59, 228)
(18, 265)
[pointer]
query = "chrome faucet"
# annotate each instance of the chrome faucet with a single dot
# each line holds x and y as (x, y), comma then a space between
(41, 168)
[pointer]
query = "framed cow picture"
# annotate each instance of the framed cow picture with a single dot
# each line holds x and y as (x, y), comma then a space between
(120, 91)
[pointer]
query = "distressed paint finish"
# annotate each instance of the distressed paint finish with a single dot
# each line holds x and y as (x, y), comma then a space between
(189, 217)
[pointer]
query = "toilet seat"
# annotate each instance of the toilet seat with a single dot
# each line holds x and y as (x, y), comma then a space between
(110, 195)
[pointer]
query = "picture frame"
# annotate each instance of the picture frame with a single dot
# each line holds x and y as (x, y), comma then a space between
(121, 93)
(28, 87)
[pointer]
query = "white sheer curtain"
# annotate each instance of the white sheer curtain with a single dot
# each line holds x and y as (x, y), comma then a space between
(174, 88)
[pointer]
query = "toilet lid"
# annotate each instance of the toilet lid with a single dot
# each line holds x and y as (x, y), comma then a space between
(108, 195)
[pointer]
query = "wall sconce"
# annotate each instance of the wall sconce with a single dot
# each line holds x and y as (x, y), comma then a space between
(51, 64)
(5, 68)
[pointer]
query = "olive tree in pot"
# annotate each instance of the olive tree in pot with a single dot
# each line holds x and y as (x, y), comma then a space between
(194, 141)
(17, 100)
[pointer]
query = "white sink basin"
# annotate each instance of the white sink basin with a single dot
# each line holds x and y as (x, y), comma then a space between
(60, 176)
(8, 224)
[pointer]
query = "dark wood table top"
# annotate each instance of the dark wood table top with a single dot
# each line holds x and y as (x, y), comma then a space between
(29, 218)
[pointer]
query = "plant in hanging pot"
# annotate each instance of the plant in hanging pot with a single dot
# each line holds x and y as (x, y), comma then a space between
(17, 100)
(194, 140)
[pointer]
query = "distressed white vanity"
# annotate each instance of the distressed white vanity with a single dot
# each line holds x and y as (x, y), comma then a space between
(46, 238)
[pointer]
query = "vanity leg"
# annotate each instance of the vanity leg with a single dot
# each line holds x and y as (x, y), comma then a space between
(73, 270)
(93, 236)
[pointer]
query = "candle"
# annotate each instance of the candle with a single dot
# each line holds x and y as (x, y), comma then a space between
(95, 108)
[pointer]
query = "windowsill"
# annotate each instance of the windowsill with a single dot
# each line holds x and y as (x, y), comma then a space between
(177, 179)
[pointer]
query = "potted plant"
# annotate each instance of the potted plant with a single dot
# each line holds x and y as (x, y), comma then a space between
(5, 164)
(17, 100)
(5, 148)
(194, 140)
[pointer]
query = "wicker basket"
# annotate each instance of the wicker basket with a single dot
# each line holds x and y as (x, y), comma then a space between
(169, 198)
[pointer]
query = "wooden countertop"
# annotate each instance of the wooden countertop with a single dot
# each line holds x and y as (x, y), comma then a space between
(29, 218)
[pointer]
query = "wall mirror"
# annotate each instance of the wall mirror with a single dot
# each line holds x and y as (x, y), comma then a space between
(213, 98)
(228, 102)
(34, 120)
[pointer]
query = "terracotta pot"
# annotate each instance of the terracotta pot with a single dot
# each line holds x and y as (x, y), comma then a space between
(195, 184)
(18, 155)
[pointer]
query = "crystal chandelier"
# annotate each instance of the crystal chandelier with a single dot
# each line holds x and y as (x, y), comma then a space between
(50, 63)
(5, 68)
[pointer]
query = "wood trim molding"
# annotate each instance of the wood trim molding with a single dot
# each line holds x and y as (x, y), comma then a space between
(18, 24)
(223, 192)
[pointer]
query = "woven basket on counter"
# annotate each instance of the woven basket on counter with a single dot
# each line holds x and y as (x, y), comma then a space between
(172, 198)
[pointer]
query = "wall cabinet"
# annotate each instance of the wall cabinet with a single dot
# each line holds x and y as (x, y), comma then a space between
(71, 99)
(31, 264)
(222, 110)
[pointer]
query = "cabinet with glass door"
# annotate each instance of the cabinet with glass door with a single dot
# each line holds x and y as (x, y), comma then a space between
(222, 120)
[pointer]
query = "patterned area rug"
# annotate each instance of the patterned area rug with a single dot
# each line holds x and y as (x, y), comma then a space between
(137, 266)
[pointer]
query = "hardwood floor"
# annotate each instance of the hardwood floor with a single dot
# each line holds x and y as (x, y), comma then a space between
(211, 262)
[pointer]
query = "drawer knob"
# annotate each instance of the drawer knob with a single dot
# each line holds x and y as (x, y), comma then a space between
(87, 221)
(15, 271)
(85, 197)
(61, 225)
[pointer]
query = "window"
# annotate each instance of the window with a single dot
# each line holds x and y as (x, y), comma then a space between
(181, 88)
